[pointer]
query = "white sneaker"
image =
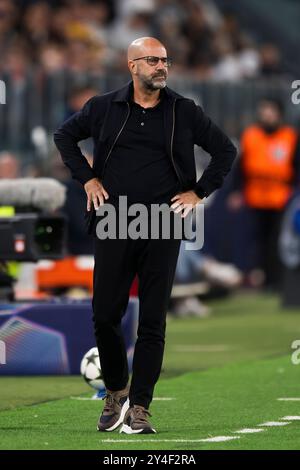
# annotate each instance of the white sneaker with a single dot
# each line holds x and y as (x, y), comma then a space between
(226, 275)
(191, 306)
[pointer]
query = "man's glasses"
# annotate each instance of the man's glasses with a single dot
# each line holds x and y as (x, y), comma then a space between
(152, 60)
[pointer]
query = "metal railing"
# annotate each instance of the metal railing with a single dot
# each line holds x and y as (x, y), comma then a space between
(41, 100)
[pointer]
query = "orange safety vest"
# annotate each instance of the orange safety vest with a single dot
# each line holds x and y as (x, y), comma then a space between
(267, 165)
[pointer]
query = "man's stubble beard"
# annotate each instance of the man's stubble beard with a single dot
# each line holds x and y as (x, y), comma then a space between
(152, 84)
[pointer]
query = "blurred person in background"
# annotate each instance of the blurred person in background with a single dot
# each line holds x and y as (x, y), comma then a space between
(8, 23)
(270, 61)
(265, 176)
(194, 266)
(77, 97)
(136, 22)
(17, 73)
(52, 58)
(79, 242)
(9, 165)
(200, 36)
(16, 63)
(168, 27)
(91, 35)
(36, 23)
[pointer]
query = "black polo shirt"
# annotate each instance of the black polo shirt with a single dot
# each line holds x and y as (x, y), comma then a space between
(139, 166)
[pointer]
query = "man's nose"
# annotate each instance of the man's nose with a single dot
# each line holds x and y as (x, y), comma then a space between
(161, 68)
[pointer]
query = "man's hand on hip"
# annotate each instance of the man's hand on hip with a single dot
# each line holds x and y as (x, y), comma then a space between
(185, 202)
(95, 193)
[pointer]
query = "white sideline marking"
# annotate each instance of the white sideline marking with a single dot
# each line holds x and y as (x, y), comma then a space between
(149, 440)
(249, 430)
(274, 423)
(291, 418)
(220, 438)
(164, 398)
(285, 420)
(210, 439)
(83, 398)
(190, 348)
(288, 399)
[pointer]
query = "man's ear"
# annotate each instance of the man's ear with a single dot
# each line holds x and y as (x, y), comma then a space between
(132, 66)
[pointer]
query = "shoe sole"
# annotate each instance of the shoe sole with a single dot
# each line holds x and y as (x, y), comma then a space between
(120, 420)
(128, 430)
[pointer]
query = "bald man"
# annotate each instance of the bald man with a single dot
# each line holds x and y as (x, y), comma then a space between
(144, 136)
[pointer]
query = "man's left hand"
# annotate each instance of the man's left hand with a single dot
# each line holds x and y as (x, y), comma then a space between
(185, 202)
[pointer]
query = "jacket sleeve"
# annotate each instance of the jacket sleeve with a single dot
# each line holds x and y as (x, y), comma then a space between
(221, 149)
(66, 138)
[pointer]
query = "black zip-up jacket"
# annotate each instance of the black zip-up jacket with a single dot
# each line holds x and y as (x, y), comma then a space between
(104, 117)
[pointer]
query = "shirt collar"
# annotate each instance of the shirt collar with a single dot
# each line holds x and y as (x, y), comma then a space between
(125, 93)
(161, 96)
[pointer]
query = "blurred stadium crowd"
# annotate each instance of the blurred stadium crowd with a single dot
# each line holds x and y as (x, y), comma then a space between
(91, 35)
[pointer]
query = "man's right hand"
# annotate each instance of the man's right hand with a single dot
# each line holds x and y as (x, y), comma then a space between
(95, 193)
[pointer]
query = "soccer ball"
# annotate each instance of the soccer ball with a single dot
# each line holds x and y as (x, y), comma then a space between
(91, 370)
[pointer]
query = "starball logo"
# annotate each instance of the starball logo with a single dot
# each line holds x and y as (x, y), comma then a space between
(2, 92)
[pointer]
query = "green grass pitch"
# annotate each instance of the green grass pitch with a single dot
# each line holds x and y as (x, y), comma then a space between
(220, 375)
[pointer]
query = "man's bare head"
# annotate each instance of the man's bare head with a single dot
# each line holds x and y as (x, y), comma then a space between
(151, 77)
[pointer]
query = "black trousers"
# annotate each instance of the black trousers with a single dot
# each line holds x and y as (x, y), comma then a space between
(267, 228)
(117, 261)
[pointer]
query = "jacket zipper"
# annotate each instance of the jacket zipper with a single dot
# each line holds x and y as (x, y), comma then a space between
(114, 143)
(172, 138)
